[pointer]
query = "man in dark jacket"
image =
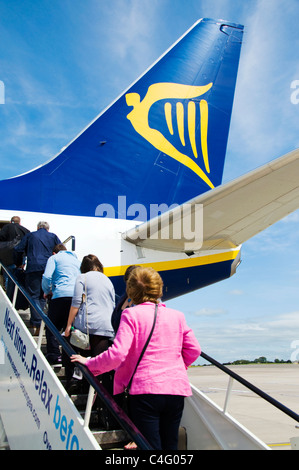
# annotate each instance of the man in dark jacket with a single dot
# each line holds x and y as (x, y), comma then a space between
(38, 247)
(12, 231)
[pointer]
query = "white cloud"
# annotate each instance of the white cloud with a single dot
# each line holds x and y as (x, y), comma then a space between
(287, 323)
(264, 122)
(208, 312)
(246, 327)
(236, 292)
(280, 238)
(273, 338)
(130, 31)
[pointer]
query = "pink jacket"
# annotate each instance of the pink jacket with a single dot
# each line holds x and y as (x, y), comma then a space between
(162, 370)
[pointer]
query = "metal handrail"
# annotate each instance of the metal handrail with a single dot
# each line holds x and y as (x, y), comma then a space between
(73, 238)
(124, 421)
(252, 387)
(126, 424)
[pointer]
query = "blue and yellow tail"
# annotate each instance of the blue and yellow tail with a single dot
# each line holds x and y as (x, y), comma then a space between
(162, 142)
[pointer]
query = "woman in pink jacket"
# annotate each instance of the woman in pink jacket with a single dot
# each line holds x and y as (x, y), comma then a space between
(160, 382)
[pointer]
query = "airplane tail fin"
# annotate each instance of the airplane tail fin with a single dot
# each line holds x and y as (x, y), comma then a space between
(163, 141)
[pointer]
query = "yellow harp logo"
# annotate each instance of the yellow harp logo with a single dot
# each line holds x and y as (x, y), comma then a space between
(163, 91)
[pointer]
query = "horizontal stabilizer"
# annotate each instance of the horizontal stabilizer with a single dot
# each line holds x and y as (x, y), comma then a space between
(231, 213)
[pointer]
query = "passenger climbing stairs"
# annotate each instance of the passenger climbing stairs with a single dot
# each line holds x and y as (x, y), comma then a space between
(99, 420)
(37, 412)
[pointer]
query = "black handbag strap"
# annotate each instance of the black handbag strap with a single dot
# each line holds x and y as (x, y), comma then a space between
(143, 351)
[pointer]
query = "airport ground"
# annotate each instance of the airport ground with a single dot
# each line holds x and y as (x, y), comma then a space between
(280, 381)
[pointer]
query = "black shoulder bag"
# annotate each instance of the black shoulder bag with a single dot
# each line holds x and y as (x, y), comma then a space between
(127, 389)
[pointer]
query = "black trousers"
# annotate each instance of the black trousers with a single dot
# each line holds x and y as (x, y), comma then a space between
(58, 313)
(158, 418)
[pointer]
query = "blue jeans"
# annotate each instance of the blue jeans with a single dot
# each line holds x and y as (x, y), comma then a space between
(158, 418)
(34, 289)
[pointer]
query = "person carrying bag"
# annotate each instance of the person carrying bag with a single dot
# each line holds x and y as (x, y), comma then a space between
(78, 338)
(160, 381)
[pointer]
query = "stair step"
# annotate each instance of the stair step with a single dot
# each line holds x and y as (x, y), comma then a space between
(115, 438)
(24, 314)
(93, 421)
(59, 370)
(43, 343)
(112, 439)
(79, 400)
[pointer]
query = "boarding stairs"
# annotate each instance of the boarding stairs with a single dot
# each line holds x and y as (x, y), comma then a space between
(83, 398)
(36, 412)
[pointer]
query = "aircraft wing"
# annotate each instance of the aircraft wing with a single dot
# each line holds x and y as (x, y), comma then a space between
(231, 213)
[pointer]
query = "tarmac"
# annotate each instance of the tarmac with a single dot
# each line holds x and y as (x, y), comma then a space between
(281, 381)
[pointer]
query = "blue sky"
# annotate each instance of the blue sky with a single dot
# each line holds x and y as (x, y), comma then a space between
(63, 61)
